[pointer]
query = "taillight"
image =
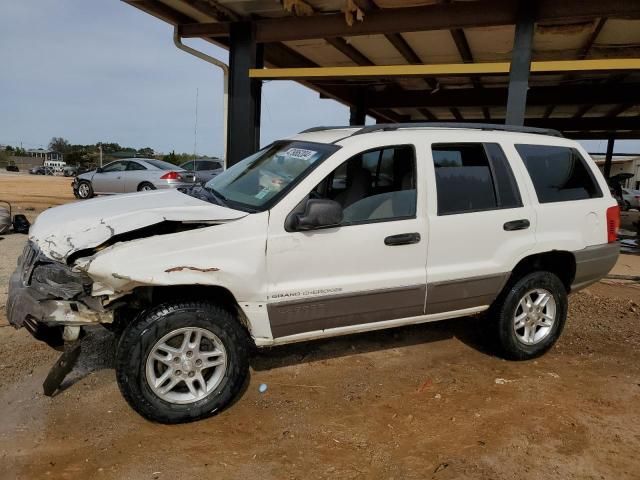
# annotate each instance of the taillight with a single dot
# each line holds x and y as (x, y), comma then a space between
(613, 223)
(171, 176)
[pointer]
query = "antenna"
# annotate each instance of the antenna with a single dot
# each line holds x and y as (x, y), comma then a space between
(195, 129)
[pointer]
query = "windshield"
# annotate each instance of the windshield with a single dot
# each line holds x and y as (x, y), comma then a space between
(258, 181)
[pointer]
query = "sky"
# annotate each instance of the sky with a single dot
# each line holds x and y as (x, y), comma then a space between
(103, 71)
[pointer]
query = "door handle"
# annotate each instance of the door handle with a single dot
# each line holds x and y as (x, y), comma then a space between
(402, 239)
(521, 224)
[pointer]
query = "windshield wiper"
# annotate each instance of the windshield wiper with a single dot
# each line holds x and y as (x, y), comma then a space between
(223, 201)
(220, 199)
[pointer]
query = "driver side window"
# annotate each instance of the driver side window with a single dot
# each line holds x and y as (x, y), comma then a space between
(376, 185)
(115, 167)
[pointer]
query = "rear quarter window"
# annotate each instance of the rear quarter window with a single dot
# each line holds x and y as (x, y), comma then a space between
(559, 174)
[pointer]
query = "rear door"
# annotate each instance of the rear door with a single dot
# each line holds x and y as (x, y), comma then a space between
(480, 221)
(110, 180)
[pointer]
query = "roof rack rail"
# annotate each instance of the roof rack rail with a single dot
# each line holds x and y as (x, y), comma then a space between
(462, 125)
(330, 127)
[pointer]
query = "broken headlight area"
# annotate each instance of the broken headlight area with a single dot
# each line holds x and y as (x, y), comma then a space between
(59, 281)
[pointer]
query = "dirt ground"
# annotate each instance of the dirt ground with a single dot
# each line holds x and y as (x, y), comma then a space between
(428, 401)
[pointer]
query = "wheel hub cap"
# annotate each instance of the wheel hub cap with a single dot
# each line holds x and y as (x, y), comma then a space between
(535, 316)
(186, 365)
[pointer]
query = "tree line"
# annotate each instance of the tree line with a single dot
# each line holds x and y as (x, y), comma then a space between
(89, 155)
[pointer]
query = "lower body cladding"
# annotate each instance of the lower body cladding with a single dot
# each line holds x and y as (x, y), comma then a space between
(360, 311)
(593, 263)
(443, 299)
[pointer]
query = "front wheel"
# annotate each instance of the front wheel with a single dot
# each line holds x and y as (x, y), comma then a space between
(530, 315)
(181, 362)
(85, 190)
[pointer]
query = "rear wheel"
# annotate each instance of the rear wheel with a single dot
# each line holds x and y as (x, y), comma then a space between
(182, 361)
(85, 190)
(145, 187)
(530, 315)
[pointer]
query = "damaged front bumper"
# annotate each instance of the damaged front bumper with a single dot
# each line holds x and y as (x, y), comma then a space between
(43, 306)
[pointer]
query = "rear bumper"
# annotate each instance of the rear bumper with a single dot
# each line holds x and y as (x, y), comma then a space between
(593, 263)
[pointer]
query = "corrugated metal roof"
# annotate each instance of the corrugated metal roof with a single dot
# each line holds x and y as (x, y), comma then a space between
(553, 40)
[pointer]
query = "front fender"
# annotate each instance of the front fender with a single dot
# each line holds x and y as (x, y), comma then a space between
(230, 255)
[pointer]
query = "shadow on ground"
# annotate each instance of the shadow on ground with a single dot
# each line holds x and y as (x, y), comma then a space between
(98, 347)
(469, 330)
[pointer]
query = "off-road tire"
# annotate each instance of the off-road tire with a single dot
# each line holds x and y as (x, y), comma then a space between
(90, 190)
(503, 310)
(146, 186)
(139, 337)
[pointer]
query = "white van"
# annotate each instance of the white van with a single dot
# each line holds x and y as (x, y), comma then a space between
(334, 231)
(54, 165)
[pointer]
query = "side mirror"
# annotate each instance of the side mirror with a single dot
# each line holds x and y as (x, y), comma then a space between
(99, 170)
(318, 213)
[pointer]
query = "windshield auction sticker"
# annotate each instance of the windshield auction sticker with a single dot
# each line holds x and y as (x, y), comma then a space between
(300, 153)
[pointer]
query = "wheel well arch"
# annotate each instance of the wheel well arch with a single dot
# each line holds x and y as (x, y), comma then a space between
(559, 262)
(154, 295)
(147, 182)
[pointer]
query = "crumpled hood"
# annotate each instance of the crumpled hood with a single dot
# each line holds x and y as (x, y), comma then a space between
(66, 229)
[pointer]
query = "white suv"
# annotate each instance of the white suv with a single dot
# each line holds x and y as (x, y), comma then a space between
(334, 231)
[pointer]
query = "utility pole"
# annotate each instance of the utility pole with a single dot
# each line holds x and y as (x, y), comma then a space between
(100, 150)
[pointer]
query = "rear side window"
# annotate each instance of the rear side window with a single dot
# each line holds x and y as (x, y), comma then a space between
(472, 177)
(559, 174)
(135, 166)
(161, 164)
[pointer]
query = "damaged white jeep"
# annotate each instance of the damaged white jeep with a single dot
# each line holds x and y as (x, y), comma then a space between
(335, 231)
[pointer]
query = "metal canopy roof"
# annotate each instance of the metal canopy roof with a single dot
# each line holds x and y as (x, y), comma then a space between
(347, 33)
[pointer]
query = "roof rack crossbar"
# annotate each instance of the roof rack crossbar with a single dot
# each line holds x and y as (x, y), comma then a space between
(462, 125)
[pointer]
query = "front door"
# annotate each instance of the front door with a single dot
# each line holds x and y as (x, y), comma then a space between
(369, 269)
(110, 179)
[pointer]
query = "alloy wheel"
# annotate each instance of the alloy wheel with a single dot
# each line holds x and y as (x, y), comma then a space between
(186, 365)
(535, 316)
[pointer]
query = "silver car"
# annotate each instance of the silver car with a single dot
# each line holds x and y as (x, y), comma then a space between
(131, 175)
(204, 168)
(631, 198)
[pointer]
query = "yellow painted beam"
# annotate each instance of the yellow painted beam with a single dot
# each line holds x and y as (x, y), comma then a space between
(447, 69)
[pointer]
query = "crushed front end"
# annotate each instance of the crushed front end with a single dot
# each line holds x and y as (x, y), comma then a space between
(51, 300)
